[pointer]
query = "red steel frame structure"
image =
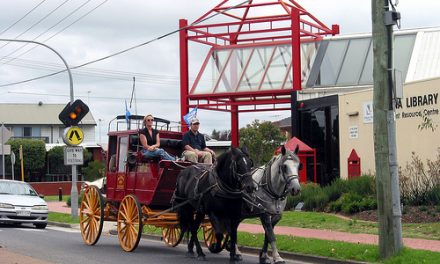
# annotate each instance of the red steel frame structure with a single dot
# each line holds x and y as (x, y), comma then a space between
(246, 30)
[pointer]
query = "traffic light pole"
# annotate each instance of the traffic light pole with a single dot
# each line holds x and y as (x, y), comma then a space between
(74, 191)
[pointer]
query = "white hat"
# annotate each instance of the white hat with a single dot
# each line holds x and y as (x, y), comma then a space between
(194, 120)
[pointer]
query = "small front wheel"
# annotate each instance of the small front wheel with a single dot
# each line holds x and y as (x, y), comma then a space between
(171, 235)
(210, 239)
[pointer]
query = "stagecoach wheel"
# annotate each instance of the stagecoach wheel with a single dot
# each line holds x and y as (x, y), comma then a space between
(209, 236)
(129, 223)
(171, 235)
(91, 215)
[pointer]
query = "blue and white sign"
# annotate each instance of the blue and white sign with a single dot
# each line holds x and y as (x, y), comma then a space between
(368, 112)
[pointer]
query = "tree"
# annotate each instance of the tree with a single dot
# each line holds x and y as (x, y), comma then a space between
(261, 139)
(221, 135)
(55, 160)
(34, 155)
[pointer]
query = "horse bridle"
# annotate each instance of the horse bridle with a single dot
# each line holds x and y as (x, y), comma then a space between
(287, 178)
(282, 168)
(227, 191)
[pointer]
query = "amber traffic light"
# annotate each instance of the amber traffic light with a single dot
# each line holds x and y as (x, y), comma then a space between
(73, 113)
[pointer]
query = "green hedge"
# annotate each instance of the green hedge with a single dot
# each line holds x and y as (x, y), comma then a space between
(349, 196)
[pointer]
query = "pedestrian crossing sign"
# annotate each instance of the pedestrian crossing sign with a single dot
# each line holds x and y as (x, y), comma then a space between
(73, 136)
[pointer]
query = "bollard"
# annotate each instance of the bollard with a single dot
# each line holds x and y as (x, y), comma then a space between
(60, 194)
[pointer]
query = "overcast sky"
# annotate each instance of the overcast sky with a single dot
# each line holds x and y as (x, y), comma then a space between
(116, 25)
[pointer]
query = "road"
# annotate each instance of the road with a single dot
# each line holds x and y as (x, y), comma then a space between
(27, 245)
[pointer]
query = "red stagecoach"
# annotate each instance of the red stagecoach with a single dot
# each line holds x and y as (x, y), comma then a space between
(138, 191)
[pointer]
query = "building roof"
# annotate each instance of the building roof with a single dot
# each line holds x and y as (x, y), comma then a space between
(36, 114)
(347, 60)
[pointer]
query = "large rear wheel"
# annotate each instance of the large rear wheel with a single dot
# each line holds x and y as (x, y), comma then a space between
(129, 223)
(210, 240)
(171, 235)
(91, 215)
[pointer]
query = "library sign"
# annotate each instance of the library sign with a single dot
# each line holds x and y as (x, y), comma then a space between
(426, 105)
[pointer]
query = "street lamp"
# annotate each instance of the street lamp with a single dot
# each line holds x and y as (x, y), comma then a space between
(99, 129)
(74, 191)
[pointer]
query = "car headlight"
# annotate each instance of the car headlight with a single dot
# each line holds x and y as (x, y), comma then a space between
(6, 206)
(40, 207)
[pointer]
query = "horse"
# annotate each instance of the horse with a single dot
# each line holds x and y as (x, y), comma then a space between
(214, 192)
(278, 178)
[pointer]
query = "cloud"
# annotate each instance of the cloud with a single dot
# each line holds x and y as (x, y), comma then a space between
(117, 25)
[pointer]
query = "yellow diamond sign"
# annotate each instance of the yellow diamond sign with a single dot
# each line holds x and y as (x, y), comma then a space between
(73, 136)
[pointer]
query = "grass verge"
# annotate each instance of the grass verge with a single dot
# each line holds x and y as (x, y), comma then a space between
(62, 218)
(317, 220)
(55, 198)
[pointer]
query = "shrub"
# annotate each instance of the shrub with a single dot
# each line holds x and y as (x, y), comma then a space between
(351, 203)
(351, 207)
(317, 201)
(420, 184)
(69, 200)
(364, 185)
(336, 189)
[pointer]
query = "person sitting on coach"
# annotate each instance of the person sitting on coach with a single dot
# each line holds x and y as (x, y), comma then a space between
(150, 141)
(194, 145)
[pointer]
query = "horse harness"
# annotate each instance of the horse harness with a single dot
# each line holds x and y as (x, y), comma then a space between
(287, 178)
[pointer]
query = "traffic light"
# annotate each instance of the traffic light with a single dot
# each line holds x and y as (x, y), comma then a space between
(73, 113)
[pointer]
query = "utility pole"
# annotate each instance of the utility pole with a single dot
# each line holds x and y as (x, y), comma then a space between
(387, 178)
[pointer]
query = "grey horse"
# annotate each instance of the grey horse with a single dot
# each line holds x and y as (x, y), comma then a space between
(276, 180)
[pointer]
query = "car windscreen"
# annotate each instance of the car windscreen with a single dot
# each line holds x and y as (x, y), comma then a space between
(16, 188)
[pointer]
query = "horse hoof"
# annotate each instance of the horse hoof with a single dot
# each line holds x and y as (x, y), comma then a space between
(214, 248)
(238, 257)
(190, 254)
(280, 262)
(265, 261)
(201, 258)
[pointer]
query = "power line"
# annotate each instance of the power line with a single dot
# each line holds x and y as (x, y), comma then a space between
(162, 100)
(38, 22)
(66, 27)
(128, 49)
(121, 75)
(18, 21)
(44, 32)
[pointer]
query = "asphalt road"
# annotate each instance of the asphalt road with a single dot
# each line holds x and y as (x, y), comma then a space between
(26, 245)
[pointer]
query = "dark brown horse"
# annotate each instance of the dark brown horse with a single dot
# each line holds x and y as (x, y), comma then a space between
(217, 193)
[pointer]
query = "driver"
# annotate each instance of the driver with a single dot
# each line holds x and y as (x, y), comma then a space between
(194, 145)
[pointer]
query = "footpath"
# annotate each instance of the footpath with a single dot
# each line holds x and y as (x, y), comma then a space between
(424, 244)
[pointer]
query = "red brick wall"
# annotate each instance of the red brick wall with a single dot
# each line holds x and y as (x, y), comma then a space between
(51, 188)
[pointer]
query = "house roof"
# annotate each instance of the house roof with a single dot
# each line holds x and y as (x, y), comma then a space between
(36, 114)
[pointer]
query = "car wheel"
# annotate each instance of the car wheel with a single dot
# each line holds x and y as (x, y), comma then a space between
(41, 226)
(16, 224)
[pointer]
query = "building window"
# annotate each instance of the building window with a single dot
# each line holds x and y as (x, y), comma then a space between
(27, 131)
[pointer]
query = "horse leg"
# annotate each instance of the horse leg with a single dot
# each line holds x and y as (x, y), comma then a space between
(216, 226)
(277, 259)
(266, 222)
(194, 228)
(233, 256)
(190, 252)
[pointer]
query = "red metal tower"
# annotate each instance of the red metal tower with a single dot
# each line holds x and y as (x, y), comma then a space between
(255, 56)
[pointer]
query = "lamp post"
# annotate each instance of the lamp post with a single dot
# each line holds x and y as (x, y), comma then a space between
(74, 191)
(99, 129)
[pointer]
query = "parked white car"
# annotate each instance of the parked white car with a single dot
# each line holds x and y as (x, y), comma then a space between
(20, 203)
